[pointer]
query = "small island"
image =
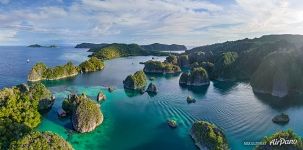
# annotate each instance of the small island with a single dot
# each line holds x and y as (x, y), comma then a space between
(41, 140)
(37, 46)
(137, 81)
(208, 136)
(41, 72)
(273, 142)
(196, 77)
(93, 64)
(281, 119)
(86, 114)
(161, 67)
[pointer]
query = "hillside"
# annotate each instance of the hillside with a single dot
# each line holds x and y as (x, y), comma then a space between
(164, 47)
(123, 50)
(151, 47)
(259, 60)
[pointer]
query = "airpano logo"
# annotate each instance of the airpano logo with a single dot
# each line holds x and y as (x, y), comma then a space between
(282, 141)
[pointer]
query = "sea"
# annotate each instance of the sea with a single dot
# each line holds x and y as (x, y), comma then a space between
(134, 121)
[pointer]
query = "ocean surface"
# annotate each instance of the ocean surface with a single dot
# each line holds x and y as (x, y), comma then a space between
(139, 122)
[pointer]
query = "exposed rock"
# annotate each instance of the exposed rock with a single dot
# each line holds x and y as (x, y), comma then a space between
(208, 137)
(279, 74)
(45, 97)
(61, 112)
(197, 77)
(86, 114)
(172, 123)
(41, 72)
(101, 96)
(281, 119)
(111, 89)
(152, 88)
(137, 81)
(189, 100)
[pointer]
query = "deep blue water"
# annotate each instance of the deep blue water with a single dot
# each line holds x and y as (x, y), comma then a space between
(134, 121)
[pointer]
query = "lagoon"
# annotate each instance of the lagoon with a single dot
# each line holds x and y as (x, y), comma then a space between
(134, 121)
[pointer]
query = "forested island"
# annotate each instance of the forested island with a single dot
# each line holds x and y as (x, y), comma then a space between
(151, 47)
(85, 113)
(41, 72)
(160, 67)
(123, 50)
(37, 46)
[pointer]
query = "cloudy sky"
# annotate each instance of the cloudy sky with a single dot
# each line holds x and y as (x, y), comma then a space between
(189, 22)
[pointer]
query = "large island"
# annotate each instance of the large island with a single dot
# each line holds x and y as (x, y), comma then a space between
(271, 63)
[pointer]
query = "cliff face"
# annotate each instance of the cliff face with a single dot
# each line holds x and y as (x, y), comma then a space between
(137, 81)
(86, 114)
(197, 77)
(41, 72)
(279, 74)
(45, 97)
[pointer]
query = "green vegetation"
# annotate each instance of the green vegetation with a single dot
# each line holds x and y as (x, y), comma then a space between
(116, 50)
(86, 114)
(93, 64)
(40, 92)
(164, 47)
(223, 65)
(273, 142)
(160, 67)
(270, 62)
(41, 72)
(137, 81)
(208, 135)
(172, 59)
(196, 77)
(19, 111)
(279, 74)
(41, 141)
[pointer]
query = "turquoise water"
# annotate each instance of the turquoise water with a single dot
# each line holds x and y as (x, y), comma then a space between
(134, 121)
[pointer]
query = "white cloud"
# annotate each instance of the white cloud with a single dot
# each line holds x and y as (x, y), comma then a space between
(190, 22)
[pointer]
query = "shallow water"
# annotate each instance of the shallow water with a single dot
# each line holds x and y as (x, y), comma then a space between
(134, 121)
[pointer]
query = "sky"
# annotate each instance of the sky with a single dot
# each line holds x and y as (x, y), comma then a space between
(188, 22)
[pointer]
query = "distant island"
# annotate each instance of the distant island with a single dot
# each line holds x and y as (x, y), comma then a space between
(37, 46)
(90, 45)
(164, 47)
(116, 50)
(152, 47)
